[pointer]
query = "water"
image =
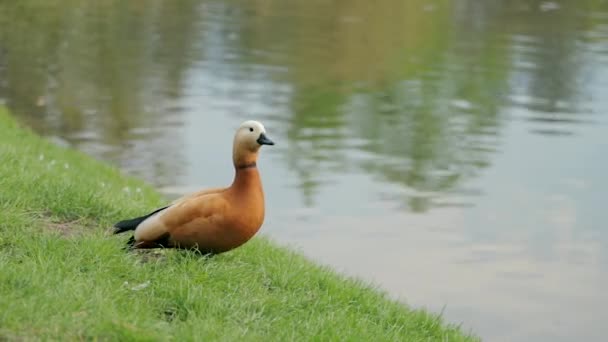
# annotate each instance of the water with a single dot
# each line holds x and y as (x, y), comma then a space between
(452, 152)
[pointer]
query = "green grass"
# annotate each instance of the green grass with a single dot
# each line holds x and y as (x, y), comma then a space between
(63, 276)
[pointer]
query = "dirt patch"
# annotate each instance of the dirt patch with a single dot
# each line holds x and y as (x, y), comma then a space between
(149, 255)
(68, 228)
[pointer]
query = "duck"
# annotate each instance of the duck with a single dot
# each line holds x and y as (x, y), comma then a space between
(214, 220)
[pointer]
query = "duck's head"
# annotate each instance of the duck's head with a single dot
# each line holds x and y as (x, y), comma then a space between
(248, 139)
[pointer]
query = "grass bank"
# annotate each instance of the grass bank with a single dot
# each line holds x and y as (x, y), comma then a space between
(62, 276)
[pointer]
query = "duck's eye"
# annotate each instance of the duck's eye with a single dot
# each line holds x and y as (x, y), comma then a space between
(250, 129)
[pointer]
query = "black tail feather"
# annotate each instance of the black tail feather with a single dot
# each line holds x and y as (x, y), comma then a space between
(131, 224)
(130, 243)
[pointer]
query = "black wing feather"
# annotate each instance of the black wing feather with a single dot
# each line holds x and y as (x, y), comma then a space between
(131, 224)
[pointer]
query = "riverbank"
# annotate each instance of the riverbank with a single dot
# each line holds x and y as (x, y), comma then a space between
(63, 276)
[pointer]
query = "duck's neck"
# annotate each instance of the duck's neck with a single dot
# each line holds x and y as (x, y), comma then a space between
(246, 176)
(246, 171)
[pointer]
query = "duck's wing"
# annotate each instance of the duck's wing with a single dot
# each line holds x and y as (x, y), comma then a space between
(199, 213)
(198, 222)
(131, 224)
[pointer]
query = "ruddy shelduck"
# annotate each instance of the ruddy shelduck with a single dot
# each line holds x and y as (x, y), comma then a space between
(211, 220)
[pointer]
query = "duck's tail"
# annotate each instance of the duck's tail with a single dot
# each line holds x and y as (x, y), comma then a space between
(131, 224)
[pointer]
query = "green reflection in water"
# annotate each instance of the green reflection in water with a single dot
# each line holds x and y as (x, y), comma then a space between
(411, 92)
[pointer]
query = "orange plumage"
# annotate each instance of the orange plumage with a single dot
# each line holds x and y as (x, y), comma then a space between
(212, 220)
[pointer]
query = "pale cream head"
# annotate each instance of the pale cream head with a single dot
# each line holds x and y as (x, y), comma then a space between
(248, 139)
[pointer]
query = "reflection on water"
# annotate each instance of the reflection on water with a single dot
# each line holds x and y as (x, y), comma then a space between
(454, 151)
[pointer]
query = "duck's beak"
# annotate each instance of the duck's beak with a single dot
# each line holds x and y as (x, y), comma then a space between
(263, 140)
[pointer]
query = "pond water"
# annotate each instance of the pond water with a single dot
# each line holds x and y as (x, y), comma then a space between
(452, 152)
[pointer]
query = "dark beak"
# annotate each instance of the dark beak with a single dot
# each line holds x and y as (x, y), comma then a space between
(263, 140)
